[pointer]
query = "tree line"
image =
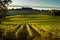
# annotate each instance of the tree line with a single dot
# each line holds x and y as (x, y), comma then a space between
(46, 12)
(54, 12)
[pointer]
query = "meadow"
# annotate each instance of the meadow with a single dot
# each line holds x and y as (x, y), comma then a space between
(30, 27)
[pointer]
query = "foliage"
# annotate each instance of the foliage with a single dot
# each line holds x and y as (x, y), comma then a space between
(51, 12)
(3, 7)
(54, 12)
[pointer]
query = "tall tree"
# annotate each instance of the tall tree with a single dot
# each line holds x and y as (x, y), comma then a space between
(51, 12)
(3, 7)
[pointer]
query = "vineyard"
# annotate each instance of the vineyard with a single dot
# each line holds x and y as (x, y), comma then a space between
(30, 27)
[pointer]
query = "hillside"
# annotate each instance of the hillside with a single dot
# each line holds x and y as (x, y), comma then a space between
(30, 27)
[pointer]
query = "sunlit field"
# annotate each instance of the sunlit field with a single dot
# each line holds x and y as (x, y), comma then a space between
(30, 27)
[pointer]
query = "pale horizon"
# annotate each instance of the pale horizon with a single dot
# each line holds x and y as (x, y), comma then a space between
(34, 7)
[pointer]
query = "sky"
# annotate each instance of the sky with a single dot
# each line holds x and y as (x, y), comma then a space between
(48, 3)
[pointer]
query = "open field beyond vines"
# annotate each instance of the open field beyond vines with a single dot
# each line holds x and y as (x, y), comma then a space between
(30, 27)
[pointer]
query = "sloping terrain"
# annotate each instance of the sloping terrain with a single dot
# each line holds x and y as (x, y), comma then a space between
(30, 27)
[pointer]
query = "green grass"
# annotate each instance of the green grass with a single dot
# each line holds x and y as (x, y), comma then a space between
(42, 24)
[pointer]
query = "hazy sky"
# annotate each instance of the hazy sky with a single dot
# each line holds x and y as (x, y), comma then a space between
(49, 3)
